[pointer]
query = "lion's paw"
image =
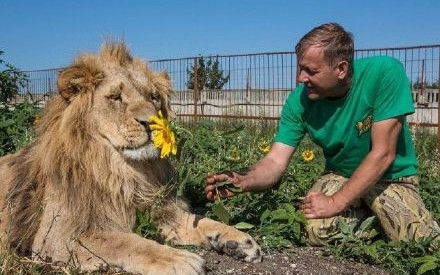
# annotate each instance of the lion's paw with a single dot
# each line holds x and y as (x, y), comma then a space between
(238, 245)
(178, 262)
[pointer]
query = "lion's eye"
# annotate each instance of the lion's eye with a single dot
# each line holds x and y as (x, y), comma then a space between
(155, 96)
(116, 97)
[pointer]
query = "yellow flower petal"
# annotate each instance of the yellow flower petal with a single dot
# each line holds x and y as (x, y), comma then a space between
(163, 136)
(174, 149)
(166, 149)
(156, 127)
(158, 121)
(308, 155)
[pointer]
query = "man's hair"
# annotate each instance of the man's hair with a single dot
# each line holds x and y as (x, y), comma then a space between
(336, 42)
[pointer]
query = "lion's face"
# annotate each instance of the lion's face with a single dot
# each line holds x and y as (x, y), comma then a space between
(122, 110)
(125, 94)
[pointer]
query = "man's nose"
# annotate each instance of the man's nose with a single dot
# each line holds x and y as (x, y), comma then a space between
(303, 77)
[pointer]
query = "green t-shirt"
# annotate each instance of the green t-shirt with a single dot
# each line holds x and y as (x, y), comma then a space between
(380, 90)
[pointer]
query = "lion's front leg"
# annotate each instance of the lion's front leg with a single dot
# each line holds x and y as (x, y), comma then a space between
(191, 229)
(132, 253)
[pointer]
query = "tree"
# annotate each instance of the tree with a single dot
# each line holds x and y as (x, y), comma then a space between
(11, 80)
(434, 85)
(426, 84)
(209, 75)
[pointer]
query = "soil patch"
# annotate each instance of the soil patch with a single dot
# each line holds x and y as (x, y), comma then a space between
(298, 260)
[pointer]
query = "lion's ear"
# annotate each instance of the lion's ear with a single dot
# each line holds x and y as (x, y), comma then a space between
(78, 79)
(163, 84)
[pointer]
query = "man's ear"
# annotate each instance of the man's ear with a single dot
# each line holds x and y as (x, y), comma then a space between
(342, 69)
(78, 79)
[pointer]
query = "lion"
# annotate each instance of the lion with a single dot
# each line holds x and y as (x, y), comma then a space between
(71, 195)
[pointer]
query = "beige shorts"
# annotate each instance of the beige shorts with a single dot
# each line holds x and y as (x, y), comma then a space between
(396, 204)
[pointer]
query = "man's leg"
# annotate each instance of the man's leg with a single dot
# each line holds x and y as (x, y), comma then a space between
(401, 210)
(320, 230)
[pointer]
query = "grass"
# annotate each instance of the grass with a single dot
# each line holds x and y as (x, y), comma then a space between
(271, 216)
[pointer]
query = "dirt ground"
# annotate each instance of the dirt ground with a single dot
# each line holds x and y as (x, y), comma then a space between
(298, 260)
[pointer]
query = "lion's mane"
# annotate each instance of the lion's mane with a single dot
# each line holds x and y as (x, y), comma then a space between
(67, 158)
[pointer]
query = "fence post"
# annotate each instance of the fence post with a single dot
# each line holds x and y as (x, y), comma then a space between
(297, 72)
(196, 87)
(424, 100)
(438, 109)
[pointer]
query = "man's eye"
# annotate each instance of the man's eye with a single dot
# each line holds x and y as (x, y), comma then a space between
(116, 97)
(309, 71)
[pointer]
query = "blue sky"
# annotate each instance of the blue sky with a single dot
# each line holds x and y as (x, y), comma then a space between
(47, 34)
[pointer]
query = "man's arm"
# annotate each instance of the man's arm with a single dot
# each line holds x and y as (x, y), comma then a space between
(384, 136)
(264, 174)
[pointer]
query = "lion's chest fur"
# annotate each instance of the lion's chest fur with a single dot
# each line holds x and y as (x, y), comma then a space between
(42, 207)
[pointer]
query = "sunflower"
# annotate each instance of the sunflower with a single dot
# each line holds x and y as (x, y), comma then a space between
(308, 155)
(233, 154)
(163, 136)
(264, 146)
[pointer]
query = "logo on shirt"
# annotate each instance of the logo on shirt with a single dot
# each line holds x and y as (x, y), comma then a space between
(364, 125)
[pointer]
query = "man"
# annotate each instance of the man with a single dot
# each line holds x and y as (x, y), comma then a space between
(354, 110)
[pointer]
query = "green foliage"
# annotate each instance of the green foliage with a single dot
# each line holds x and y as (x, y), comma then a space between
(282, 227)
(270, 215)
(429, 167)
(11, 79)
(145, 226)
(399, 257)
(209, 75)
(16, 126)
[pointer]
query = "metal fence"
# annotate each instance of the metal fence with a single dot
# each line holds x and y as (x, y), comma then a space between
(258, 84)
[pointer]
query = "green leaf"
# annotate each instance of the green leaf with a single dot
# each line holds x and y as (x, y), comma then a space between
(424, 259)
(426, 267)
(366, 223)
(244, 225)
(371, 251)
(279, 214)
(219, 209)
(264, 217)
(229, 186)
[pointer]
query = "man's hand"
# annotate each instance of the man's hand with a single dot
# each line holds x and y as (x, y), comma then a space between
(211, 190)
(317, 206)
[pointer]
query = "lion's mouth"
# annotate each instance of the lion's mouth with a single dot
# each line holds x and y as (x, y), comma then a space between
(131, 147)
(145, 152)
(136, 147)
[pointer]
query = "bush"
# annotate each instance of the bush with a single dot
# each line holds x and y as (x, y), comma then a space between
(11, 80)
(16, 126)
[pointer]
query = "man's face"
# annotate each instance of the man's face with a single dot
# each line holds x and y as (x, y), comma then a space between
(320, 79)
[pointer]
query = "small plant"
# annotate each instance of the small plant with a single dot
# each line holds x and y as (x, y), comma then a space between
(145, 226)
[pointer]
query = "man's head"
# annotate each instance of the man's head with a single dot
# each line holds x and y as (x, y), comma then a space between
(325, 57)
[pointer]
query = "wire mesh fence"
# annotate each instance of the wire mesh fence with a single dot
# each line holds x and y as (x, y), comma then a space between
(255, 86)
